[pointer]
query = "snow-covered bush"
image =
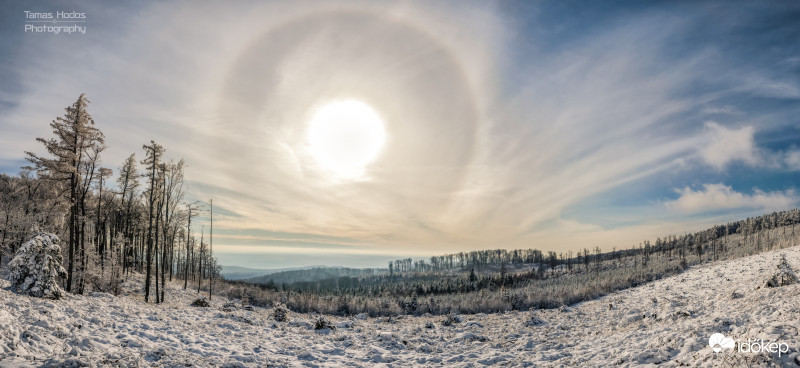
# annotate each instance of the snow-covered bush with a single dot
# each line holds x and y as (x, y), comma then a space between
(279, 313)
(534, 321)
(451, 320)
(784, 276)
(323, 323)
(230, 305)
(201, 302)
(36, 268)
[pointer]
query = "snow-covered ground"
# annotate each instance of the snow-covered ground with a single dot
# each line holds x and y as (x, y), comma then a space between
(667, 322)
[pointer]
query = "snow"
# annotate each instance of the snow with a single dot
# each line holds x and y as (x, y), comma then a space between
(666, 322)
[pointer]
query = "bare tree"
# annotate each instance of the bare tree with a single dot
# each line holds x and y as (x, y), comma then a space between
(99, 237)
(191, 208)
(128, 183)
(173, 194)
(151, 162)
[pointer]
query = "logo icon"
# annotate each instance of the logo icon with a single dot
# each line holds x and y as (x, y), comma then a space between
(718, 342)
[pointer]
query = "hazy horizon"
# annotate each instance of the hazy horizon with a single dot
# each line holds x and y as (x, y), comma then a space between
(550, 125)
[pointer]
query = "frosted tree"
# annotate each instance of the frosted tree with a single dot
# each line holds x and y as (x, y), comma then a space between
(10, 193)
(100, 239)
(172, 194)
(36, 268)
(127, 183)
(74, 152)
(784, 276)
(154, 153)
(191, 208)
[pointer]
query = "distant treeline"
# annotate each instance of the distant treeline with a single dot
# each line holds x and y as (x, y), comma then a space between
(311, 275)
(497, 280)
(679, 243)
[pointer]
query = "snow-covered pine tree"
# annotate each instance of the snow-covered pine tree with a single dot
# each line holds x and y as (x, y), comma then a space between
(784, 276)
(36, 268)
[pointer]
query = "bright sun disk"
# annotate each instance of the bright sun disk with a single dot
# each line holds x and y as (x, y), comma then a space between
(346, 136)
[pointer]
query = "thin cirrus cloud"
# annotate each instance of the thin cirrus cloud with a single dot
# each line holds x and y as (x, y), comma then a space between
(725, 109)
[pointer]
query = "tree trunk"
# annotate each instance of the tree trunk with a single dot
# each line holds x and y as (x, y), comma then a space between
(150, 233)
(155, 247)
(72, 232)
(188, 244)
(200, 264)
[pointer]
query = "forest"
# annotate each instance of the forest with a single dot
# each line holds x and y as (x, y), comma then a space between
(485, 281)
(140, 224)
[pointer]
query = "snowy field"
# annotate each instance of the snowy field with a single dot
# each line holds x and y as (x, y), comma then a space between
(667, 322)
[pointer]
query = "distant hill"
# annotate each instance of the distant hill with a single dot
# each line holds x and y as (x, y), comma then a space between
(312, 274)
(240, 273)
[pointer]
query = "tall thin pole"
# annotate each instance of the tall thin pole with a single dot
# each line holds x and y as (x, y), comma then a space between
(211, 249)
(200, 262)
(186, 263)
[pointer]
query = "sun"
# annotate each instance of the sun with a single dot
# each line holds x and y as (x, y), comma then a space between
(346, 136)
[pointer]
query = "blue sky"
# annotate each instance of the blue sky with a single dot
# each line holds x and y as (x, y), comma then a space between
(555, 125)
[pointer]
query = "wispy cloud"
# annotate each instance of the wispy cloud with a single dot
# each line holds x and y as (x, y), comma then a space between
(765, 87)
(289, 240)
(720, 197)
(792, 159)
(261, 249)
(729, 145)
(724, 146)
(725, 109)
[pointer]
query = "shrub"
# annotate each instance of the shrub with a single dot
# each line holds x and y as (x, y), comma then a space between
(230, 305)
(279, 313)
(36, 268)
(200, 302)
(784, 276)
(451, 319)
(323, 323)
(534, 321)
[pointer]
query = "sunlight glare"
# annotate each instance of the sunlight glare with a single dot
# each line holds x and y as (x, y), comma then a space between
(346, 136)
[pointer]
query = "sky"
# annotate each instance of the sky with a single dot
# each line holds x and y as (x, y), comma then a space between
(556, 125)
